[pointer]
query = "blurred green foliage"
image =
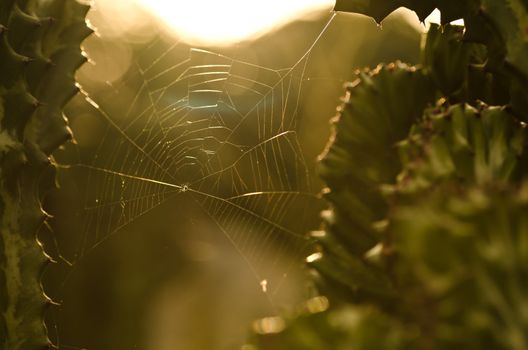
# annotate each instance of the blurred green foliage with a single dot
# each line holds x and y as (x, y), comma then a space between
(426, 240)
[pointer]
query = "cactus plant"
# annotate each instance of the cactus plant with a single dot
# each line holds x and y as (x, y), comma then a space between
(424, 245)
(39, 53)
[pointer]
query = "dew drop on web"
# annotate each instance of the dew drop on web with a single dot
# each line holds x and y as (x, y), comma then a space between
(264, 285)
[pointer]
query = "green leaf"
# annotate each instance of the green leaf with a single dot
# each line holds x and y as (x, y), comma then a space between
(466, 249)
(510, 19)
(379, 108)
(465, 145)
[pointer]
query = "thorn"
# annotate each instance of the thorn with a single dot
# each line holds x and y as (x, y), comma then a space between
(92, 27)
(36, 104)
(50, 260)
(50, 63)
(27, 59)
(50, 301)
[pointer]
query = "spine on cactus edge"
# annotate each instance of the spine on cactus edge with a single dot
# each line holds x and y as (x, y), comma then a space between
(39, 54)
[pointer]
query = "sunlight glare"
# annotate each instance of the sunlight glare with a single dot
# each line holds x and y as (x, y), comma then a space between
(435, 17)
(223, 22)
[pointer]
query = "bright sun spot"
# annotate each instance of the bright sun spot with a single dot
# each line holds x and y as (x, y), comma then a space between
(435, 17)
(222, 22)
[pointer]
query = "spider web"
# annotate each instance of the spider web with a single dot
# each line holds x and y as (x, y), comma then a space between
(209, 128)
(188, 127)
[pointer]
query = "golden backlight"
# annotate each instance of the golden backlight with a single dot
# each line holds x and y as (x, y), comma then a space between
(223, 22)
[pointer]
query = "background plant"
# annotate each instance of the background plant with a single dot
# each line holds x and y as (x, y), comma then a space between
(425, 243)
(39, 53)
